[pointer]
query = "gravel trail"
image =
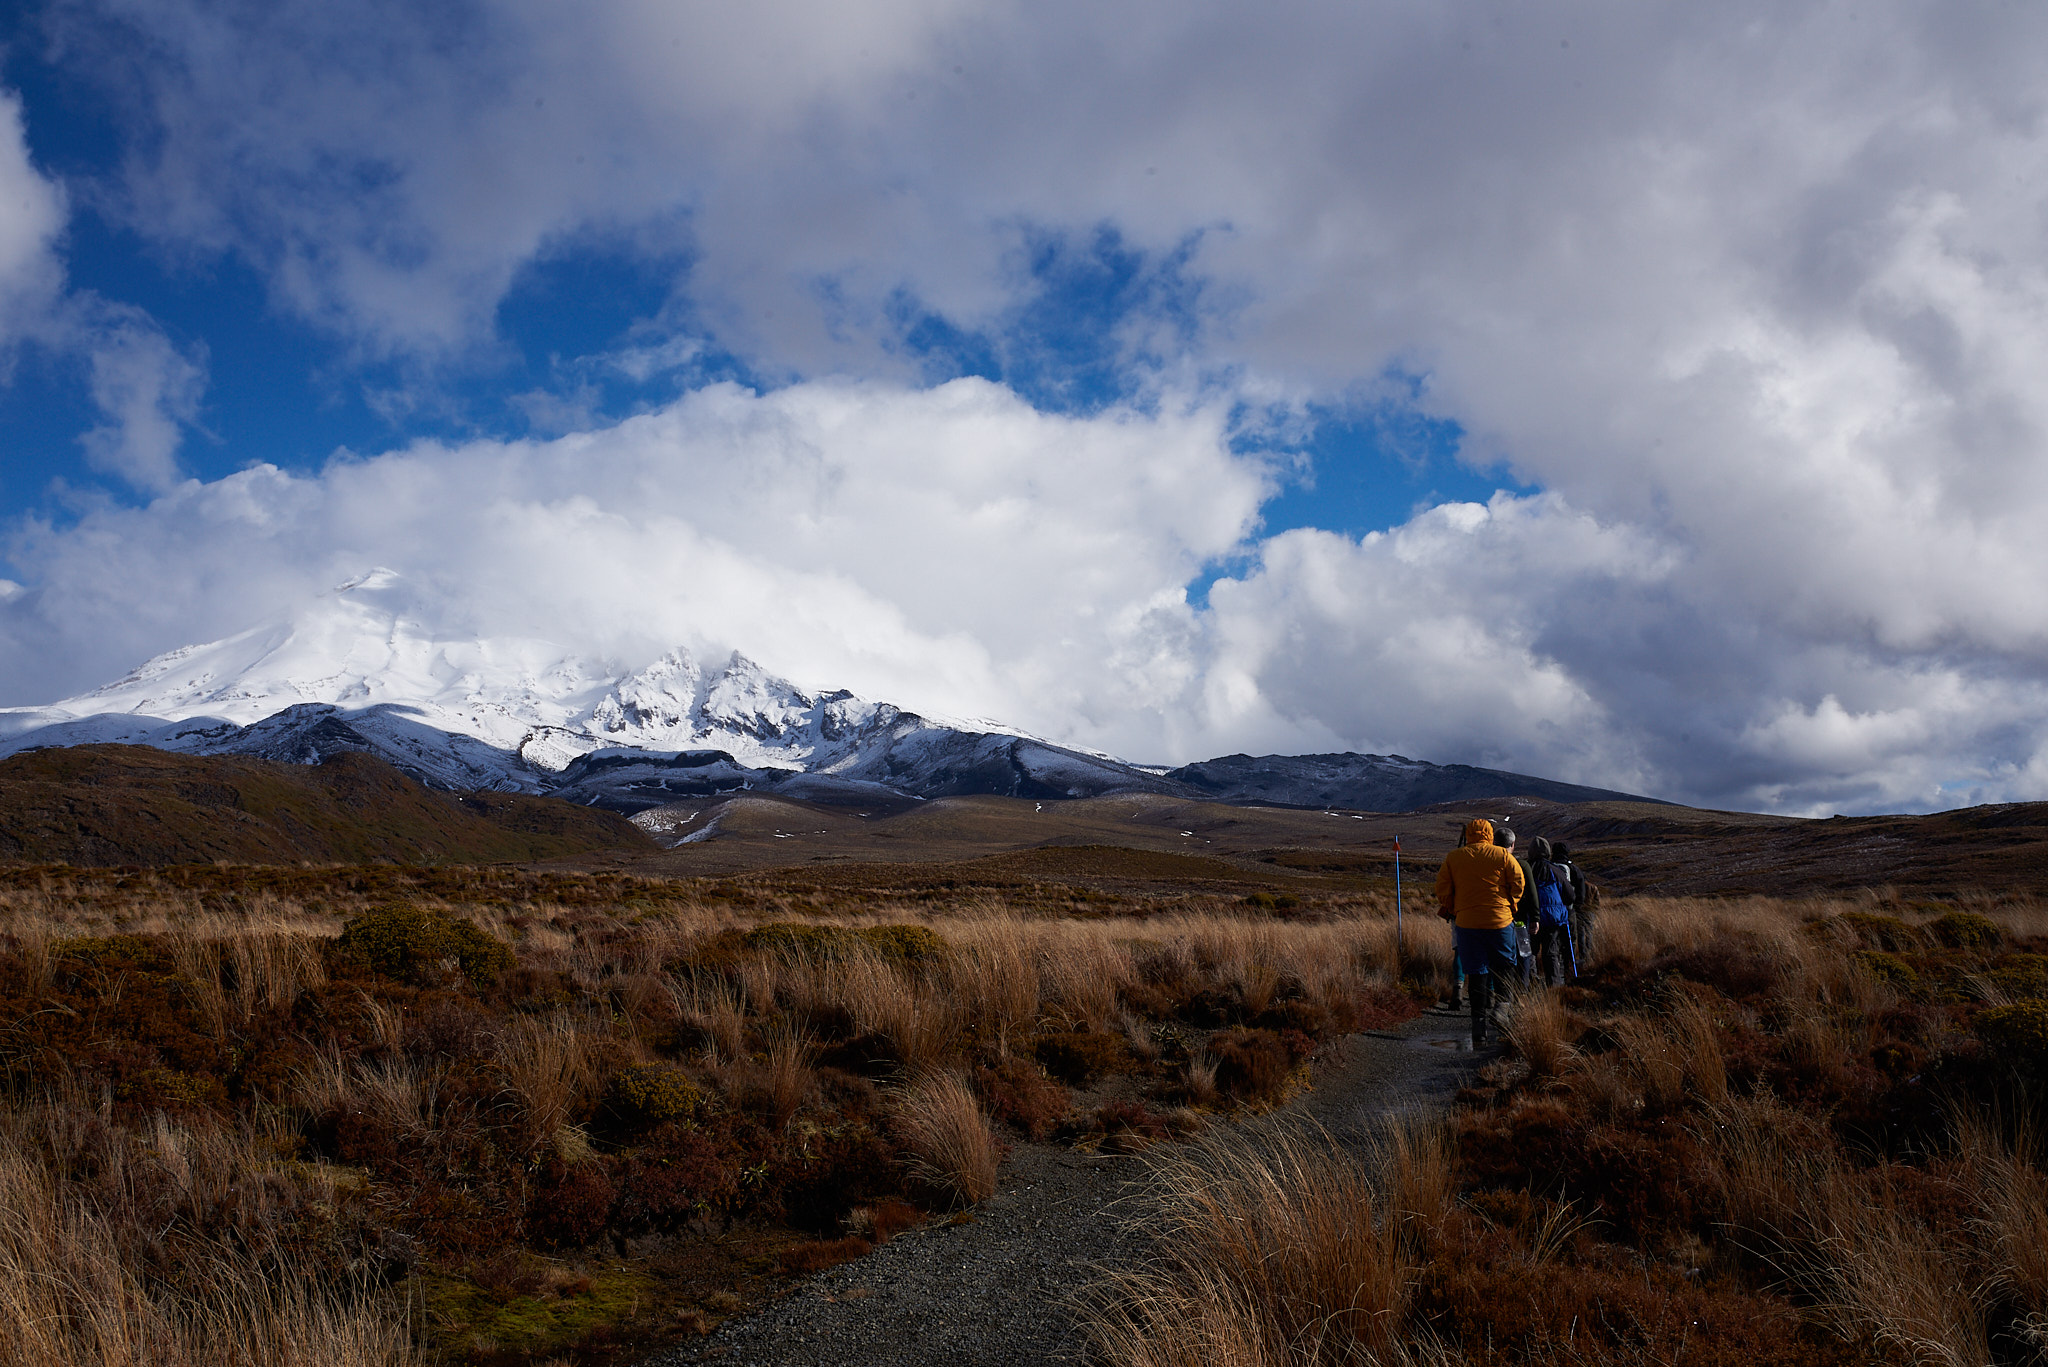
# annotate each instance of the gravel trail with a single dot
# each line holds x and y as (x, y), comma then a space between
(992, 1290)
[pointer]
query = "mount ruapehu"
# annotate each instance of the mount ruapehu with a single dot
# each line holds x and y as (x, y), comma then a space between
(363, 669)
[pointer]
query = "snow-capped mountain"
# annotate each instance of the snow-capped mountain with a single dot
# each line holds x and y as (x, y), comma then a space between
(362, 669)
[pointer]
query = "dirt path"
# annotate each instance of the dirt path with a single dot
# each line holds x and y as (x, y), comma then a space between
(992, 1291)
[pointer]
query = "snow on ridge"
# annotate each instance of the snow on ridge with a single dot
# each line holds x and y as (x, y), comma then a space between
(362, 667)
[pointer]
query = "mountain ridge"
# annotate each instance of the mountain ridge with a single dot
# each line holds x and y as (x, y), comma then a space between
(362, 669)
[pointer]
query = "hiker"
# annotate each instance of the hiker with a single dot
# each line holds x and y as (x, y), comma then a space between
(1478, 887)
(1550, 890)
(1585, 901)
(1525, 909)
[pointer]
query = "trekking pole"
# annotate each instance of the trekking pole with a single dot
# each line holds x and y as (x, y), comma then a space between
(1571, 948)
(1400, 946)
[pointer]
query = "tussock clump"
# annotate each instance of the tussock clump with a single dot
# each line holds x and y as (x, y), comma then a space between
(1886, 933)
(1540, 1032)
(952, 1149)
(412, 943)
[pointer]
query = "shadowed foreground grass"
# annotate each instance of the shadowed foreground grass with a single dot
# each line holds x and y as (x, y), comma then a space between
(1762, 1133)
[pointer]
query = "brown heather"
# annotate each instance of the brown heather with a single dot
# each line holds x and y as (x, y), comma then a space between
(1742, 1139)
(247, 1140)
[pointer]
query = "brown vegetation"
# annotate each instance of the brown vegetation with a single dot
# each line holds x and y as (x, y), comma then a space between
(502, 1117)
(1739, 1140)
(129, 804)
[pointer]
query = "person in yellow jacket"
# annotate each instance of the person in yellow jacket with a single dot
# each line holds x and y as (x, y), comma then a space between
(1478, 888)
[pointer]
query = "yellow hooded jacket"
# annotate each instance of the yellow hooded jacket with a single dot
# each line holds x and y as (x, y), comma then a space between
(1480, 881)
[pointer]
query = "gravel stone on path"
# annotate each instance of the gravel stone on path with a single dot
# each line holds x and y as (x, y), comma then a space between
(995, 1290)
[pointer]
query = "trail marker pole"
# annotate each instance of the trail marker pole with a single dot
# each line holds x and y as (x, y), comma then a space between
(1400, 947)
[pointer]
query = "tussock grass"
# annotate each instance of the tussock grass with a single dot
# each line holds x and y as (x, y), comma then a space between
(1286, 1250)
(951, 1145)
(76, 1291)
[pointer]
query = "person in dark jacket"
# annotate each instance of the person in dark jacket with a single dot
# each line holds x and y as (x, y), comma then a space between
(1585, 901)
(1525, 910)
(1552, 934)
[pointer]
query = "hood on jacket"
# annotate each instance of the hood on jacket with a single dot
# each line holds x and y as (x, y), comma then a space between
(1478, 831)
(1539, 848)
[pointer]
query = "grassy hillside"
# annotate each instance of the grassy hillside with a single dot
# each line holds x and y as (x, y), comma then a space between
(127, 804)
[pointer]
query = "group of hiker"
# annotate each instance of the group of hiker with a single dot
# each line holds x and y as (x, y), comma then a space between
(1515, 920)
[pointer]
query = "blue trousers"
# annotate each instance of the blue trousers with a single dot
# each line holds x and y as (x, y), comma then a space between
(1488, 951)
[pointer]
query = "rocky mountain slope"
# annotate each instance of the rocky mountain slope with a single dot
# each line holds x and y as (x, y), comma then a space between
(366, 669)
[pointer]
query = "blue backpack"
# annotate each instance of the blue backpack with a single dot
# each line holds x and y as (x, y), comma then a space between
(1550, 903)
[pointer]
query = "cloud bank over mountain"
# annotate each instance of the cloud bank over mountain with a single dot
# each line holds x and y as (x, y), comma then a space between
(1755, 295)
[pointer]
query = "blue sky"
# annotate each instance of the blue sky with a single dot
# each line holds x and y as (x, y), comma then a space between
(1645, 398)
(284, 391)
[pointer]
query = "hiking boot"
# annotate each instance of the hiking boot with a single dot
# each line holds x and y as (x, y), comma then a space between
(1453, 1000)
(1480, 991)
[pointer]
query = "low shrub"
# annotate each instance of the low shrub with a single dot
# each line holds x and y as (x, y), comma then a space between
(1730, 965)
(801, 1260)
(2017, 1033)
(903, 943)
(1128, 1125)
(649, 1094)
(570, 1204)
(410, 943)
(2022, 975)
(112, 953)
(1273, 901)
(1079, 1057)
(1251, 1065)
(1888, 968)
(827, 1173)
(1966, 930)
(1017, 1092)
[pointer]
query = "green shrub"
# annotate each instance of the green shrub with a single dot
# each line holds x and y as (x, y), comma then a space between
(408, 942)
(904, 944)
(1078, 1057)
(1888, 967)
(1273, 901)
(133, 953)
(654, 1093)
(2017, 1033)
(1966, 930)
(2022, 975)
(1886, 933)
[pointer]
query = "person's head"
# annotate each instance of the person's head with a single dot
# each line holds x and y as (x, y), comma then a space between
(1504, 836)
(1560, 851)
(1478, 832)
(1539, 848)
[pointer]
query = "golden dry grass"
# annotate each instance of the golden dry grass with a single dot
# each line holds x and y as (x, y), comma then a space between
(953, 1149)
(72, 1295)
(1282, 1250)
